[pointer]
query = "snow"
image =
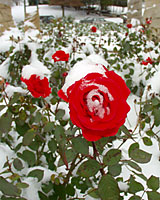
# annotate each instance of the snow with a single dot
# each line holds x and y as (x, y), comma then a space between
(93, 63)
(90, 64)
(35, 68)
(10, 90)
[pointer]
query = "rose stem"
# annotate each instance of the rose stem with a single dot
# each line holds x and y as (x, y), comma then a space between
(95, 152)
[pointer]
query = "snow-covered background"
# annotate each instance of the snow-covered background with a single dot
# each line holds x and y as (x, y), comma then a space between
(149, 169)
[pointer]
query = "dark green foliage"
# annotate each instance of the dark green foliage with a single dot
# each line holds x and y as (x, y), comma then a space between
(43, 140)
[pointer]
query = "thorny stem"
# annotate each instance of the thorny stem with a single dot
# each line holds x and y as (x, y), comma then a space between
(4, 96)
(39, 153)
(96, 155)
(95, 152)
(56, 110)
(143, 194)
(9, 166)
(73, 165)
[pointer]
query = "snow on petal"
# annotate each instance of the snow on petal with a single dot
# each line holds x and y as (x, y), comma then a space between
(93, 63)
(35, 68)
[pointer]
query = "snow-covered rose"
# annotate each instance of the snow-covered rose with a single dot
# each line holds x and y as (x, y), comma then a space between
(60, 56)
(97, 100)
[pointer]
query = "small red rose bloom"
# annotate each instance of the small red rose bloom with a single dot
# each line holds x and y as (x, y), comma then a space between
(148, 21)
(60, 56)
(129, 25)
(141, 30)
(98, 104)
(64, 74)
(93, 29)
(149, 60)
(37, 86)
(144, 63)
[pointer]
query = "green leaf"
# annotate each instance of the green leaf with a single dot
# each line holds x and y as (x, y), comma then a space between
(28, 156)
(139, 155)
(112, 157)
(80, 145)
(17, 164)
(49, 127)
(8, 188)
(42, 196)
(135, 186)
(37, 173)
(23, 115)
(153, 195)
(28, 137)
(52, 145)
(70, 190)
(50, 160)
(114, 170)
(47, 187)
(70, 155)
(124, 129)
(60, 191)
(142, 176)
(155, 101)
(88, 168)
(60, 114)
(100, 144)
(147, 141)
(150, 133)
(5, 122)
(156, 114)
(38, 117)
(22, 185)
(2, 107)
(59, 134)
(108, 188)
(93, 193)
(134, 165)
(153, 183)
(22, 129)
(15, 98)
(135, 197)
(147, 108)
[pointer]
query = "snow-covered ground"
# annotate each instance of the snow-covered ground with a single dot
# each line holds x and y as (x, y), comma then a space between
(149, 169)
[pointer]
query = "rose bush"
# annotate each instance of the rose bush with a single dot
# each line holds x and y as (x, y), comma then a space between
(97, 103)
(37, 86)
(60, 56)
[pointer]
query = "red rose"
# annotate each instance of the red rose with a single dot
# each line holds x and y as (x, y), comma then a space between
(148, 21)
(60, 56)
(129, 25)
(37, 86)
(144, 63)
(65, 74)
(149, 60)
(97, 104)
(93, 29)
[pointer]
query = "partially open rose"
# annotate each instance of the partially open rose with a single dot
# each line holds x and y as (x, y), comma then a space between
(60, 56)
(37, 86)
(97, 104)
